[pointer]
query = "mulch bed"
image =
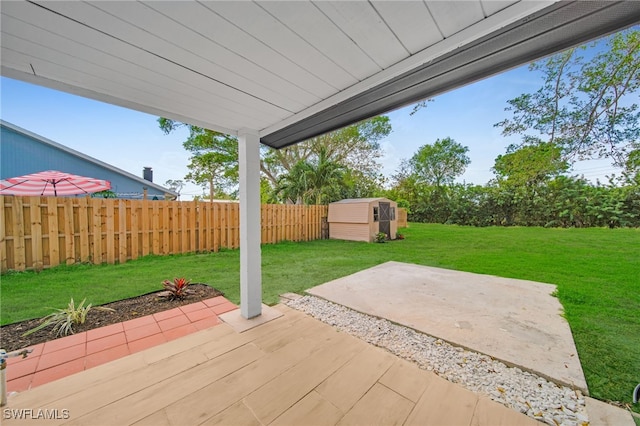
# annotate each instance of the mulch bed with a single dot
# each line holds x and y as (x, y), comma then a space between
(124, 310)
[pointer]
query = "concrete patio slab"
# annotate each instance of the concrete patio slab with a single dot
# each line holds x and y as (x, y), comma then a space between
(518, 322)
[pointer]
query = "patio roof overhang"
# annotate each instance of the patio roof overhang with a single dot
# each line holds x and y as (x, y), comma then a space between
(289, 70)
(281, 72)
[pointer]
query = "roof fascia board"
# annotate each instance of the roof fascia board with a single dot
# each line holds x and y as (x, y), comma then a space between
(582, 21)
(501, 19)
(85, 157)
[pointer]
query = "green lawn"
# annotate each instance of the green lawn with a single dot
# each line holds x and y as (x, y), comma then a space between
(597, 272)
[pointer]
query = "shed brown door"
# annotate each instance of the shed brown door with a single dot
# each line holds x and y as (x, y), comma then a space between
(385, 224)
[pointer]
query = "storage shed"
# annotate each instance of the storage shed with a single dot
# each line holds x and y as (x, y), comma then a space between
(360, 219)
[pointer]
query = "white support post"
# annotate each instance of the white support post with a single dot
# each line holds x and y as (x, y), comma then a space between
(250, 256)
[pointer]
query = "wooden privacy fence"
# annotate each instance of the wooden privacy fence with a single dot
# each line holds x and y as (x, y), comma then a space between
(40, 232)
(402, 217)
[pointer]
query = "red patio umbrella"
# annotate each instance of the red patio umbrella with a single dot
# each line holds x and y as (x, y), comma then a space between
(52, 183)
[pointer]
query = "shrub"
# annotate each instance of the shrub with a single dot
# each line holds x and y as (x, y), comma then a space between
(381, 237)
(64, 319)
(176, 289)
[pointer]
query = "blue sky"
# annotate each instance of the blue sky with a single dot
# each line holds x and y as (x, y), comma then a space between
(132, 140)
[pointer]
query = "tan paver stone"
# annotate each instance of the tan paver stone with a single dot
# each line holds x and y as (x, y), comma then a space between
(379, 406)
(348, 384)
(161, 394)
(237, 414)
(443, 403)
(407, 379)
(312, 410)
(282, 392)
(279, 338)
(285, 309)
(159, 418)
(186, 343)
(222, 393)
(217, 347)
(491, 413)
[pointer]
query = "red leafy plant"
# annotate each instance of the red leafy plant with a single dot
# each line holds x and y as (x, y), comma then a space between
(176, 289)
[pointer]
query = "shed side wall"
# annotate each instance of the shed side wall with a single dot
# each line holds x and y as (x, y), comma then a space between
(349, 231)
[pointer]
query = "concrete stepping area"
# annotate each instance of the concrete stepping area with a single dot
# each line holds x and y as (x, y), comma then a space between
(518, 322)
(71, 354)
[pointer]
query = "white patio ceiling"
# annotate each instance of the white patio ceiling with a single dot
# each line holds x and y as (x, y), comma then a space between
(289, 70)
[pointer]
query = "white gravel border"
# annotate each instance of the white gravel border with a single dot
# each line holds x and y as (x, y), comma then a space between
(520, 390)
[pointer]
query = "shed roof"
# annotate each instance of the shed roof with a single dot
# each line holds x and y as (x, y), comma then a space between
(360, 200)
(85, 157)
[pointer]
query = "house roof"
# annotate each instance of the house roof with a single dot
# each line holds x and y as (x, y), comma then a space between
(288, 70)
(85, 157)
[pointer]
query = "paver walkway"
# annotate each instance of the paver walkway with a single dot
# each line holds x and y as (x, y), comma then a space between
(71, 354)
(293, 370)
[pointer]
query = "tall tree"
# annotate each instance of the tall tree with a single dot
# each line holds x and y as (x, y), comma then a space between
(632, 168)
(355, 147)
(426, 179)
(587, 106)
(530, 165)
(439, 164)
(214, 157)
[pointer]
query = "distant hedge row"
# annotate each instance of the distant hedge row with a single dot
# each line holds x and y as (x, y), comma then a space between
(561, 202)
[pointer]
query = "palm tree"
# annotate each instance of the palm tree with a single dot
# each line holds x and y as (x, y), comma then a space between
(293, 186)
(311, 181)
(324, 176)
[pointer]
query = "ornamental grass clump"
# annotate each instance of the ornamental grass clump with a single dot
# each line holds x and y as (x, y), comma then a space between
(176, 289)
(64, 319)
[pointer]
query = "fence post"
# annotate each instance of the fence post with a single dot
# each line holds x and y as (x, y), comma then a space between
(36, 233)
(3, 237)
